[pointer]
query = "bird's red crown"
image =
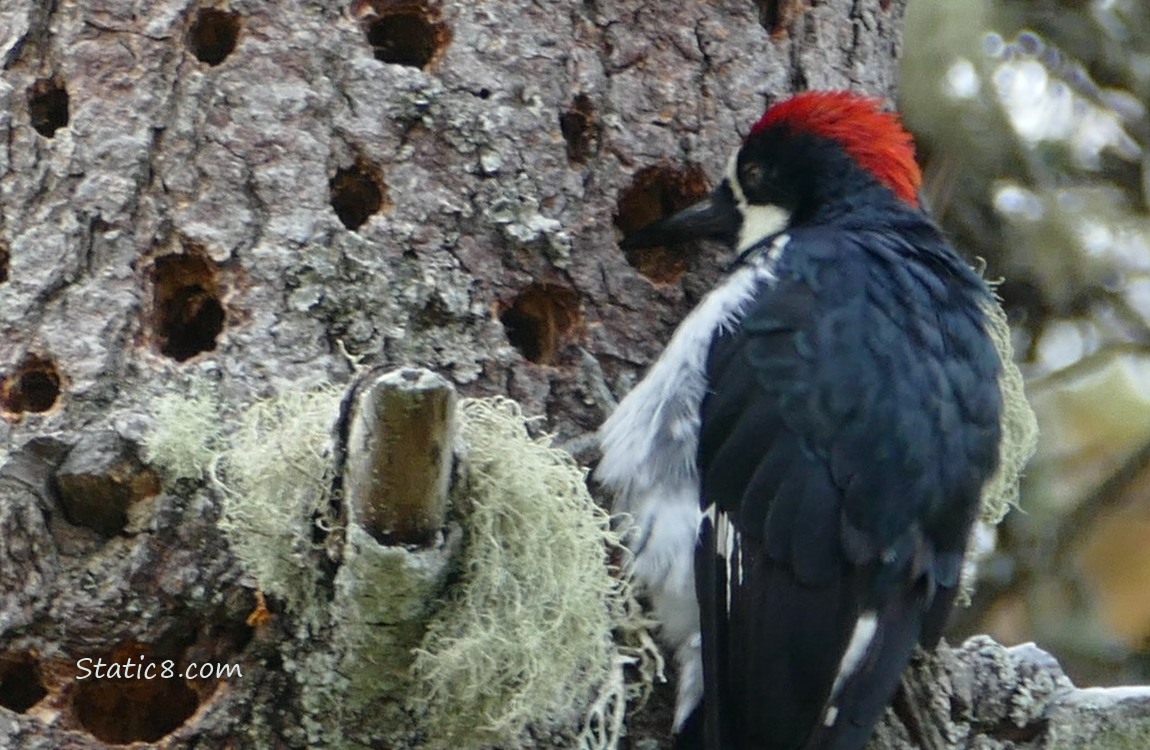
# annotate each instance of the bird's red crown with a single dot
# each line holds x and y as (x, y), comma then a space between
(873, 137)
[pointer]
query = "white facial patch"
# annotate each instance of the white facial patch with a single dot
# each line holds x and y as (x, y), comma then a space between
(759, 220)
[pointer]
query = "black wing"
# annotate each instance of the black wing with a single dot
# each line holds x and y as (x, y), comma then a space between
(851, 422)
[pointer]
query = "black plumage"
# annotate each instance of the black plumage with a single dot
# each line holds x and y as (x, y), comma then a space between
(839, 392)
(849, 425)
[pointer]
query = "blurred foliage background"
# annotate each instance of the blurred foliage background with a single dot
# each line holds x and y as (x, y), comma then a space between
(1032, 126)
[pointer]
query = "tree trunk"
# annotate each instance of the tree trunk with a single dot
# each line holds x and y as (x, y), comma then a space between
(253, 196)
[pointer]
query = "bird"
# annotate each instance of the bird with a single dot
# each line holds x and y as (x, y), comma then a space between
(803, 463)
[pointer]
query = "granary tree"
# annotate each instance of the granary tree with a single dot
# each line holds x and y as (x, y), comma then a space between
(216, 217)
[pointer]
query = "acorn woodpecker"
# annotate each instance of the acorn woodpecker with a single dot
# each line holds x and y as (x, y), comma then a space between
(802, 465)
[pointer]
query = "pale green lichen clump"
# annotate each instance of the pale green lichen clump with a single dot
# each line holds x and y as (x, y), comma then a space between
(276, 476)
(1019, 425)
(272, 467)
(1015, 447)
(526, 637)
(188, 434)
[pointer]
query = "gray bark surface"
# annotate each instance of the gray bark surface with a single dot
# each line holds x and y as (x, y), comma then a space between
(172, 207)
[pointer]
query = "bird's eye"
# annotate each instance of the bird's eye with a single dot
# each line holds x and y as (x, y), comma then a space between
(751, 174)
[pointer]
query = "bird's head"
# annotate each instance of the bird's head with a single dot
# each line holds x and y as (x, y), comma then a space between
(813, 153)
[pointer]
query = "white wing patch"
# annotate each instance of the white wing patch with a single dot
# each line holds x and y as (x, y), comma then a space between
(831, 716)
(690, 690)
(860, 642)
(727, 544)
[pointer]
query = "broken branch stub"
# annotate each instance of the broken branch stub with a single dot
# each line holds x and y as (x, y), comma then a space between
(399, 430)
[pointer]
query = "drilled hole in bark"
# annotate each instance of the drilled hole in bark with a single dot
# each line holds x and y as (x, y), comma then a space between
(188, 315)
(99, 481)
(656, 192)
(580, 129)
(33, 387)
(356, 194)
(213, 34)
(48, 106)
(434, 314)
(778, 17)
(20, 684)
(5, 255)
(403, 32)
(127, 708)
(539, 319)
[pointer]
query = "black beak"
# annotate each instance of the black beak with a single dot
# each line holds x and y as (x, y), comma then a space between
(715, 218)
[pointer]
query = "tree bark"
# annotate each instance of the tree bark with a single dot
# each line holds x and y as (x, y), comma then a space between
(257, 194)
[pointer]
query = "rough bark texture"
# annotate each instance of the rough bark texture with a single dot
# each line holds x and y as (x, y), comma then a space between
(244, 193)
